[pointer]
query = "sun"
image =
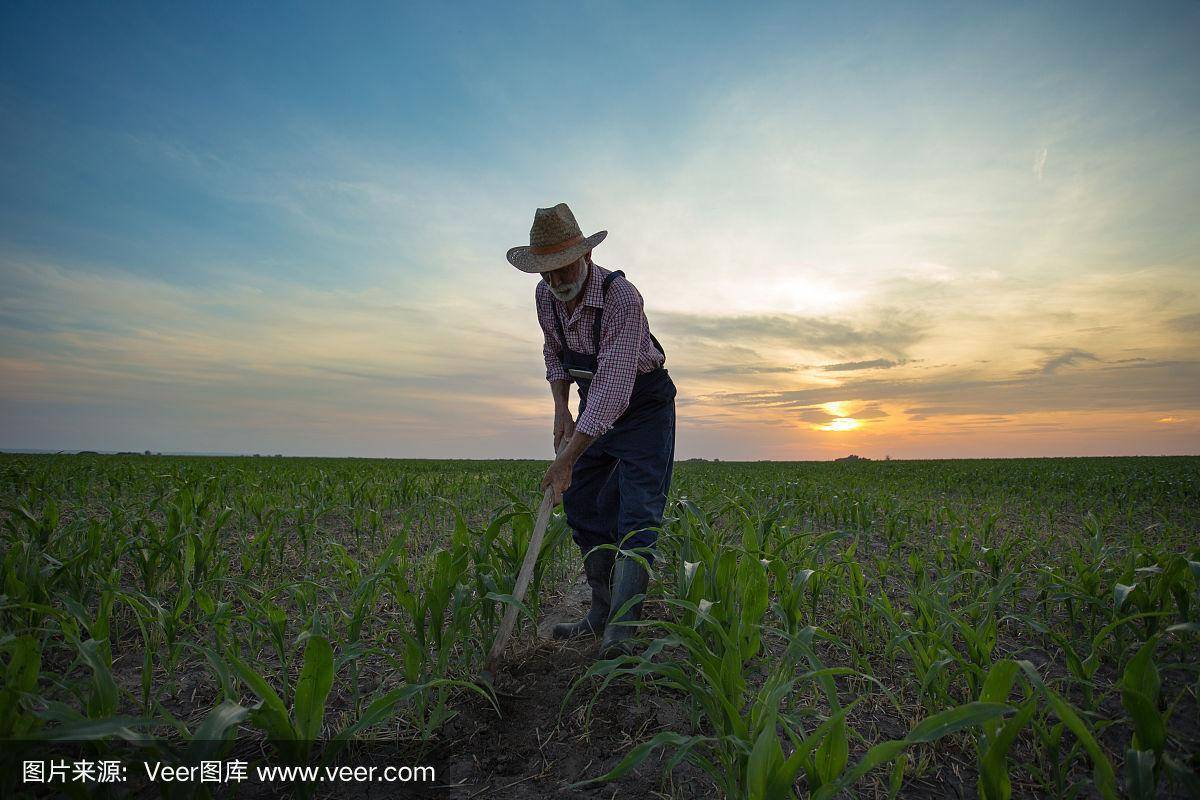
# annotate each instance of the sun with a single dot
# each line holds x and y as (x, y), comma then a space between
(841, 424)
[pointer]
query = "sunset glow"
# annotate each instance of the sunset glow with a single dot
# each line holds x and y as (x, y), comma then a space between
(975, 237)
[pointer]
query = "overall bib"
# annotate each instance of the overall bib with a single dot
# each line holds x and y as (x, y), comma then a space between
(619, 484)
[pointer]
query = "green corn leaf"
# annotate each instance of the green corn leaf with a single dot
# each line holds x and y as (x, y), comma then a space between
(1149, 731)
(877, 755)
(91, 729)
(765, 757)
(24, 665)
(996, 688)
(104, 696)
(55, 711)
(994, 783)
(955, 719)
(184, 600)
(215, 728)
(381, 708)
(20, 677)
(312, 690)
(1140, 686)
(1121, 594)
(1182, 775)
(782, 784)
(511, 600)
(270, 714)
(928, 730)
(224, 716)
(1102, 771)
(640, 753)
(1139, 774)
(220, 670)
(896, 781)
(834, 751)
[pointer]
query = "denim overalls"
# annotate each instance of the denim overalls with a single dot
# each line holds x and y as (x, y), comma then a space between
(619, 484)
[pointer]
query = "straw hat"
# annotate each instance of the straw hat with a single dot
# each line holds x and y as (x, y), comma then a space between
(555, 240)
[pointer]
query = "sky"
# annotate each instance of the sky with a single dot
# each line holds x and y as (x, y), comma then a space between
(907, 230)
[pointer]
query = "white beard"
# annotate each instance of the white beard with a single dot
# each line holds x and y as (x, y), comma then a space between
(568, 293)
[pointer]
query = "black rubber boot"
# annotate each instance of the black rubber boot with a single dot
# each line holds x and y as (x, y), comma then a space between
(598, 566)
(629, 579)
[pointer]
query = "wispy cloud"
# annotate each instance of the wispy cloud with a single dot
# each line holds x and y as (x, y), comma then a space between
(236, 349)
(1068, 358)
(1188, 323)
(729, 370)
(854, 366)
(891, 333)
(1039, 163)
(1135, 388)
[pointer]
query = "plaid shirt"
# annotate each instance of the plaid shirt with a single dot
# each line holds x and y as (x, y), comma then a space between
(625, 347)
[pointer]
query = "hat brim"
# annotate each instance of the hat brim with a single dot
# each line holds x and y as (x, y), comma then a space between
(522, 259)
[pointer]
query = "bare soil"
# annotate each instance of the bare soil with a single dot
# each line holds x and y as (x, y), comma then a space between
(543, 741)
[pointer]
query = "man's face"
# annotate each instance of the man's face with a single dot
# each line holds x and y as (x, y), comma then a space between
(566, 282)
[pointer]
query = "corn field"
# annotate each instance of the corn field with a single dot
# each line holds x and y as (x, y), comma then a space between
(990, 628)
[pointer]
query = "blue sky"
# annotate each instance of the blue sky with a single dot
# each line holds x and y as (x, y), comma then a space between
(281, 228)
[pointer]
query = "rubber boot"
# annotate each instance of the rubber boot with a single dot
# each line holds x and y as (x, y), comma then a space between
(597, 566)
(629, 580)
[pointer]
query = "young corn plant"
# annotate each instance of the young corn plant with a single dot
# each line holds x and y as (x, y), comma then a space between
(1102, 771)
(295, 732)
(746, 755)
(719, 636)
(22, 667)
(996, 736)
(1147, 761)
(440, 625)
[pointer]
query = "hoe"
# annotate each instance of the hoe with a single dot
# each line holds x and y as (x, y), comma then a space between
(488, 677)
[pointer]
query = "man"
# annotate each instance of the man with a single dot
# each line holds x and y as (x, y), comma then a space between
(613, 464)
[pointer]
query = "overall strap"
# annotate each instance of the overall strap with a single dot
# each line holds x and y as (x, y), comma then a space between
(600, 311)
(660, 348)
(609, 279)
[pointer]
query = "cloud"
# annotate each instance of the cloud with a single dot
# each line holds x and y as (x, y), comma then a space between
(1152, 386)
(1039, 163)
(813, 414)
(1188, 323)
(1067, 358)
(925, 412)
(231, 351)
(851, 366)
(870, 411)
(891, 334)
(730, 370)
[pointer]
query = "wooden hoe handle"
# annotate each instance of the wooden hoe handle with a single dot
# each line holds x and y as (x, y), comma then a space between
(523, 578)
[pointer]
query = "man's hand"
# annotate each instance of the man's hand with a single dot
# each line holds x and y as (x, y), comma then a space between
(559, 474)
(564, 427)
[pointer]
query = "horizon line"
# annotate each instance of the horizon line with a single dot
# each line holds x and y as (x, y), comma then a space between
(848, 457)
